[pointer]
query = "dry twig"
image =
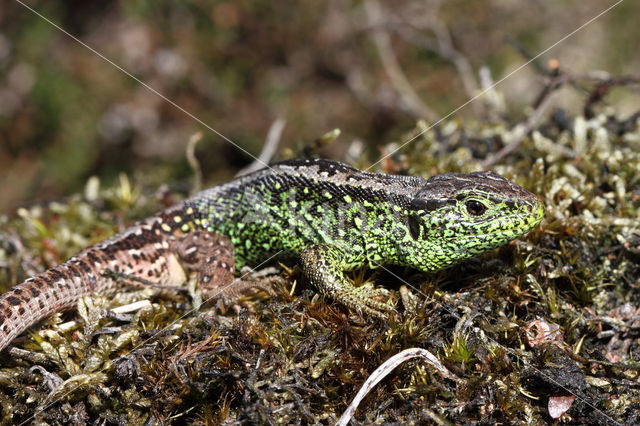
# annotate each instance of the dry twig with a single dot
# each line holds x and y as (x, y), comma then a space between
(268, 149)
(387, 367)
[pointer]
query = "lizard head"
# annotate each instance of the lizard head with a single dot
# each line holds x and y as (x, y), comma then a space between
(457, 216)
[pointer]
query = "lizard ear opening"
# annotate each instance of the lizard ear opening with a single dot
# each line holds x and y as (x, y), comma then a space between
(414, 226)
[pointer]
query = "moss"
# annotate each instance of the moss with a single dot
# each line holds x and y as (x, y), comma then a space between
(295, 359)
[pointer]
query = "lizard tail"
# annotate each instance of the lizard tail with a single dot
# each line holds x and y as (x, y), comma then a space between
(142, 251)
(28, 302)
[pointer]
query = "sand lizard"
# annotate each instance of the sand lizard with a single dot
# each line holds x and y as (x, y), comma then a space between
(329, 216)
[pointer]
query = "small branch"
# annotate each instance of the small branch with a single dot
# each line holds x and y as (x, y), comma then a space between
(601, 90)
(385, 369)
(556, 79)
(268, 149)
(140, 282)
(131, 307)
(520, 130)
(411, 29)
(519, 47)
(390, 63)
(518, 134)
(193, 161)
(494, 99)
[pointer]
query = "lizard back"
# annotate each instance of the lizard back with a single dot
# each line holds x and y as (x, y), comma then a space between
(296, 203)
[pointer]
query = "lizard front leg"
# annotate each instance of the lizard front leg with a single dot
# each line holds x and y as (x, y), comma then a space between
(322, 266)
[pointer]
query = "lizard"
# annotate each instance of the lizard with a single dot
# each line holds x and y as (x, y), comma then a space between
(329, 216)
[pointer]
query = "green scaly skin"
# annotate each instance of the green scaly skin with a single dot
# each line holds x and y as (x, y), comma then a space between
(335, 218)
(330, 216)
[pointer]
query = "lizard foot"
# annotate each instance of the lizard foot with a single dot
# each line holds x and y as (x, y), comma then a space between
(322, 267)
(233, 292)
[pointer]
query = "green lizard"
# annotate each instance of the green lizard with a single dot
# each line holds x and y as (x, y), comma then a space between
(329, 216)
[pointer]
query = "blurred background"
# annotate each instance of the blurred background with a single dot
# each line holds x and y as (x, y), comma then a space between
(371, 68)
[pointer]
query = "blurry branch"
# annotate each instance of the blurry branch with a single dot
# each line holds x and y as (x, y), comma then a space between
(355, 82)
(538, 66)
(268, 149)
(494, 99)
(518, 133)
(398, 79)
(603, 87)
(193, 161)
(553, 83)
(521, 130)
(604, 81)
(411, 27)
(554, 79)
(527, 56)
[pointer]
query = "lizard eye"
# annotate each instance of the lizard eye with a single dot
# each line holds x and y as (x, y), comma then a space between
(475, 208)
